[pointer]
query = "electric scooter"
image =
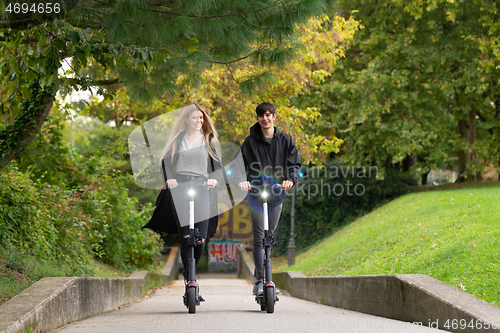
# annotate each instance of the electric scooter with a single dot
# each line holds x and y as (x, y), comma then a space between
(268, 298)
(192, 295)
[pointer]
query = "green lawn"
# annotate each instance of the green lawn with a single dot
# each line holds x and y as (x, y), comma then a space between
(450, 235)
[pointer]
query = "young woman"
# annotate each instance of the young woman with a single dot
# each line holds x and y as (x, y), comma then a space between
(190, 157)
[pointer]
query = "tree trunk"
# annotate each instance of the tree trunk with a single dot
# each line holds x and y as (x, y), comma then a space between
(409, 161)
(467, 130)
(424, 178)
(33, 113)
(388, 164)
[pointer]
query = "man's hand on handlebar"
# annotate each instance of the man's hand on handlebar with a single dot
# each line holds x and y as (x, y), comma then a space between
(244, 186)
(211, 183)
(171, 183)
(287, 184)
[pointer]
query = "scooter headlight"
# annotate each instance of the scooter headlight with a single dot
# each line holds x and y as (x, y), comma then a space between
(264, 194)
(191, 192)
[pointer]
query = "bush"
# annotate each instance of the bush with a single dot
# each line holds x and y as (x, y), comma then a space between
(325, 202)
(115, 234)
(37, 220)
(66, 227)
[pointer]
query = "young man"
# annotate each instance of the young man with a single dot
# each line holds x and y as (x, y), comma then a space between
(270, 157)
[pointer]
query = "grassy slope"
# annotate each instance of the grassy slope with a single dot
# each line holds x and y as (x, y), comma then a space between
(451, 235)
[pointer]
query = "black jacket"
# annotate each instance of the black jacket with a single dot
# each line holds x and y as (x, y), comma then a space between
(266, 163)
(164, 217)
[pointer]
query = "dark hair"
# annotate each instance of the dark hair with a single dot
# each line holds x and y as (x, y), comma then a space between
(264, 107)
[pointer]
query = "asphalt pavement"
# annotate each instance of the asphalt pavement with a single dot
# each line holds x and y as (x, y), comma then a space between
(231, 307)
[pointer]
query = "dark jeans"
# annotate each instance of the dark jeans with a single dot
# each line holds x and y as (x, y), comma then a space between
(257, 217)
(180, 204)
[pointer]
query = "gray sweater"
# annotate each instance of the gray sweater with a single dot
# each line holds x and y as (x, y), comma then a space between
(193, 161)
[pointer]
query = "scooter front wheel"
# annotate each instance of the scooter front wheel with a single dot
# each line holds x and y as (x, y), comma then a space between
(191, 297)
(270, 299)
(262, 303)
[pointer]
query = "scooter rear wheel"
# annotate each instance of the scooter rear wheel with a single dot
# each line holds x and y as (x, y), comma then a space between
(270, 299)
(191, 294)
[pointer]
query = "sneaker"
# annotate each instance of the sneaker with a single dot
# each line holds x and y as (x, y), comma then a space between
(258, 287)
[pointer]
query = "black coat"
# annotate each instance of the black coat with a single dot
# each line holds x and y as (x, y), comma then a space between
(164, 217)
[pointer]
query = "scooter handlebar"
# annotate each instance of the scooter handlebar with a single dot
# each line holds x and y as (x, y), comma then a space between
(255, 188)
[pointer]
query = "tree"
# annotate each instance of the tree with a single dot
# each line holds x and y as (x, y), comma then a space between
(323, 42)
(420, 80)
(319, 45)
(144, 45)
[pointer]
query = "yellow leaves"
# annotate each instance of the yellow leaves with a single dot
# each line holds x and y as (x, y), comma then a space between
(319, 75)
(450, 16)
(323, 41)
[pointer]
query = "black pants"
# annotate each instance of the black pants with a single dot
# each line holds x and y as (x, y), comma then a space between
(180, 202)
(257, 217)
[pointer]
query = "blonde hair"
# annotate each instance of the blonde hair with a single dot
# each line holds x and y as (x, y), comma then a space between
(207, 128)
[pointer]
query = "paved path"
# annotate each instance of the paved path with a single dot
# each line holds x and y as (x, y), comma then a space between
(230, 307)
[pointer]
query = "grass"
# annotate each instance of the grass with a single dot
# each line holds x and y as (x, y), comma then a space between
(451, 235)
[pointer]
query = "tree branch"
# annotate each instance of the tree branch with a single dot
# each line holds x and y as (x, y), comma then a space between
(242, 58)
(108, 82)
(106, 14)
(232, 75)
(101, 83)
(249, 21)
(211, 16)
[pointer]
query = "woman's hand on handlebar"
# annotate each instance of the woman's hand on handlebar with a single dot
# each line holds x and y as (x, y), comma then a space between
(244, 186)
(287, 184)
(171, 183)
(211, 183)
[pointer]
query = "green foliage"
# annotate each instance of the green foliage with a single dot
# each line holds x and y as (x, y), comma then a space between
(68, 226)
(144, 45)
(115, 233)
(414, 72)
(49, 157)
(451, 235)
(36, 220)
(329, 197)
(13, 137)
(319, 44)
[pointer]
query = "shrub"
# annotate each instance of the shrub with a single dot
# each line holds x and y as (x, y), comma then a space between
(115, 233)
(37, 220)
(66, 227)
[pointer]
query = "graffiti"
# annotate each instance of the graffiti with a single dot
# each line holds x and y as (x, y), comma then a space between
(223, 255)
(234, 224)
(235, 229)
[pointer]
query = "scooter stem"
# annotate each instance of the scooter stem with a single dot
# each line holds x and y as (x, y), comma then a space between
(191, 214)
(266, 220)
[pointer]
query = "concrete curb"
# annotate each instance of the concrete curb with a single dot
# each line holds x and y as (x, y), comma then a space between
(245, 265)
(56, 301)
(415, 298)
